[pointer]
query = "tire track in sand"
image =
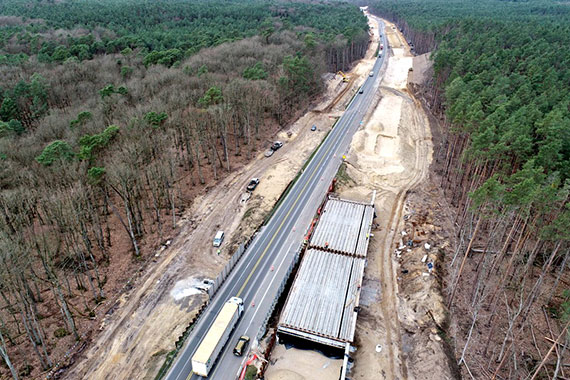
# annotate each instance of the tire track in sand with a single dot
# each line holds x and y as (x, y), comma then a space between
(387, 269)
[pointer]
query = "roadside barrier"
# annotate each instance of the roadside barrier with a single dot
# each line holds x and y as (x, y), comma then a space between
(263, 329)
(223, 276)
(211, 292)
(226, 270)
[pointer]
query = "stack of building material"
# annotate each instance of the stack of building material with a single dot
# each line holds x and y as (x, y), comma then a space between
(343, 227)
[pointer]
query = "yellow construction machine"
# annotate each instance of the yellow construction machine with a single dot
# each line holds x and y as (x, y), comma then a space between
(344, 77)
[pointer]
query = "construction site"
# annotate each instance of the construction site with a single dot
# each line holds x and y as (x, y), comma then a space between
(388, 154)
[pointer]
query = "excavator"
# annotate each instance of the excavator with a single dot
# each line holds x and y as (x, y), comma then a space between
(344, 77)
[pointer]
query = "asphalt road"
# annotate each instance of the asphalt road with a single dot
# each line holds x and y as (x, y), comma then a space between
(257, 277)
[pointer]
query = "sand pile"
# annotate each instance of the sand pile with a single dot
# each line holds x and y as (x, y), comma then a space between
(295, 364)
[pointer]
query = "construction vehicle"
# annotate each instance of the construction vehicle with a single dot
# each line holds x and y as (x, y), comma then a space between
(344, 77)
(217, 337)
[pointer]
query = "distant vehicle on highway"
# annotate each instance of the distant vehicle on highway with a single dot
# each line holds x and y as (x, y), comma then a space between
(205, 356)
(253, 184)
(219, 238)
(269, 153)
(241, 345)
(276, 145)
(314, 128)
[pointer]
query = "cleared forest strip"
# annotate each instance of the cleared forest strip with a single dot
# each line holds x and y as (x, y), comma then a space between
(111, 126)
(390, 154)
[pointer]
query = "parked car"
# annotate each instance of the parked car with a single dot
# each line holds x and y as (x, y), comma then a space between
(203, 287)
(218, 238)
(269, 153)
(253, 184)
(276, 145)
(241, 345)
(314, 128)
(361, 91)
(371, 74)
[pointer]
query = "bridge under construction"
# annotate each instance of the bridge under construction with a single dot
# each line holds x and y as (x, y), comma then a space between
(322, 305)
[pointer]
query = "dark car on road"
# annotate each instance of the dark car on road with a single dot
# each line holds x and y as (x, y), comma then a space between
(253, 184)
(241, 345)
(314, 128)
(276, 145)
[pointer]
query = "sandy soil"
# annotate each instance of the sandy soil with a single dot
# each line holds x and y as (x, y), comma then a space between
(422, 69)
(395, 39)
(295, 364)
(428, 222)
(144, 324)
(391, 154)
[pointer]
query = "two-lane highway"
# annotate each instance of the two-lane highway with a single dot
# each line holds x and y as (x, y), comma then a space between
(256, 278)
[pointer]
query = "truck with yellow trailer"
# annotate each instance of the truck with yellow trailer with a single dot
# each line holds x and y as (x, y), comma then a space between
(205, 356)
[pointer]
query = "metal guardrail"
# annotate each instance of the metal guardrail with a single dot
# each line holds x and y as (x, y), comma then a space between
(344, 367)
(226, 271)
(232, 263)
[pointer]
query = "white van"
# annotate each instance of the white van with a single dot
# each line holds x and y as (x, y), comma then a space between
(218, 238)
